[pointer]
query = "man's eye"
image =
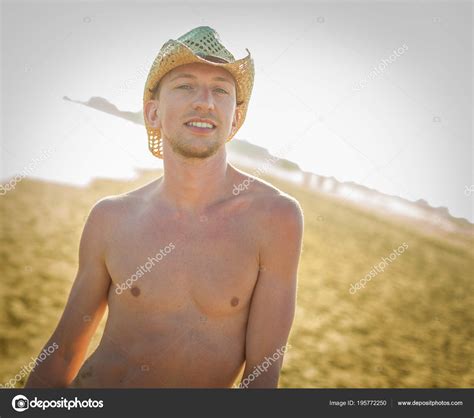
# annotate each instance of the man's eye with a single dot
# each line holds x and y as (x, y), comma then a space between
(222, 90)
(184, 85)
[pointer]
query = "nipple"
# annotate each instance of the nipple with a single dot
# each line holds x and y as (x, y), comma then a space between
(135, 291)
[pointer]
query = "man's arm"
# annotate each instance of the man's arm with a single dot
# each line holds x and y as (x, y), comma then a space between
(84, 309)
(273, 302)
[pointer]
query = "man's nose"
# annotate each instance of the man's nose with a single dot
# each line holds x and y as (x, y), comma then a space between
(204, 99)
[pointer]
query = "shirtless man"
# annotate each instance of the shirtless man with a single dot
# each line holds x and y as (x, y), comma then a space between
(218, 292)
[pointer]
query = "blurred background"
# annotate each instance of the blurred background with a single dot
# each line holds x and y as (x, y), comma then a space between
(360, 110)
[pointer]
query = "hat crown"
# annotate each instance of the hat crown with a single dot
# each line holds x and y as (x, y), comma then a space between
(205, 42)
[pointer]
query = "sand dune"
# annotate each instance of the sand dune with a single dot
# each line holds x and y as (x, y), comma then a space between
(411, 326)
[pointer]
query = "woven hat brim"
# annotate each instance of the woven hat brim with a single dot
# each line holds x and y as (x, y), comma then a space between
(175, 53)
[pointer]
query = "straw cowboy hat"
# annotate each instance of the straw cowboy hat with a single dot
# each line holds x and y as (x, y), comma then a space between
(201, 44)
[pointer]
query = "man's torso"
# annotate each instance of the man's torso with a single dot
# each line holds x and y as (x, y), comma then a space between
(181, 320)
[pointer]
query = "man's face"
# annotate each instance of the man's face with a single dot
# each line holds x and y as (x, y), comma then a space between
(192, 92)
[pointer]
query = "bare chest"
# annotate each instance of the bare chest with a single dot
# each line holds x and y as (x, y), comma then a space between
(171, 266)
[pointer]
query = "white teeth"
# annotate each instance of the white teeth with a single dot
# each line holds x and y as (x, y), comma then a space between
(200, 124)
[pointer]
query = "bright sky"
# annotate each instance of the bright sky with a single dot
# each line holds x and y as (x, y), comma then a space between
(406, 130)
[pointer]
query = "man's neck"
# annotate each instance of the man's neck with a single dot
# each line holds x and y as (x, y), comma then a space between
(194, 184)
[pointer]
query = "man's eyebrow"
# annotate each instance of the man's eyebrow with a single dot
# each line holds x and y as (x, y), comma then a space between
(225, 79)
(186, 75)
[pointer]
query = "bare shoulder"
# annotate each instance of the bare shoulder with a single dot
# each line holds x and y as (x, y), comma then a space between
(111, 208)
(278, 223)
(270, 203)
(107, 210)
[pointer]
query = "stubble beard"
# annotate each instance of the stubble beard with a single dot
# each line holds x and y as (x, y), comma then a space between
(183, 147)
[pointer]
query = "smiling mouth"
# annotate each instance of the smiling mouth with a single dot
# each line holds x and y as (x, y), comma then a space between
(203, 125)
(200, 127)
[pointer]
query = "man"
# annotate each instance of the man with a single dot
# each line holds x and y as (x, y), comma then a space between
(200, 281)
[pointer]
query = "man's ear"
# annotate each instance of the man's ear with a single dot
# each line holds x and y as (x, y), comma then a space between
(236, 119)
(151, 113)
